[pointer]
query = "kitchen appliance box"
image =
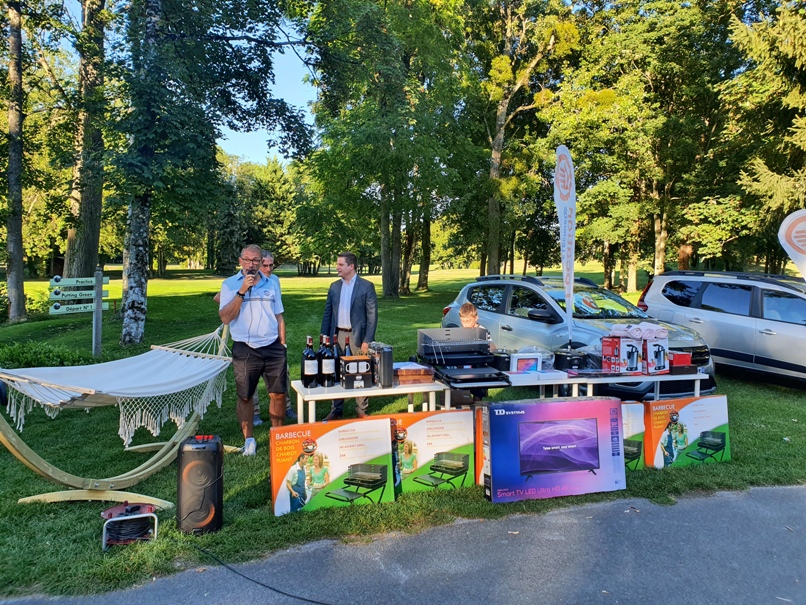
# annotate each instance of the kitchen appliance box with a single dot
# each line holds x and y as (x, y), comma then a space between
(622, 355)
(696, 415)
(341, 443)
(656, 356)
(545, 448)
(429, 434)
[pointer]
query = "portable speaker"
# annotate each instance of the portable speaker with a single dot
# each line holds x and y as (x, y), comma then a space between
(200, 485)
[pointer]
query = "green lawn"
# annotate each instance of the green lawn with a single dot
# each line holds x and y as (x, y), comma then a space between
(55, 548)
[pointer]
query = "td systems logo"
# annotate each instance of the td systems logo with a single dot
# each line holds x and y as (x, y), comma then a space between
(508, 412)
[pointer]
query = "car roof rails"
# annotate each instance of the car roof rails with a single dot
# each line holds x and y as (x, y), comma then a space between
(770, 278)
(577, 280)
(527, 278)
(537, 280)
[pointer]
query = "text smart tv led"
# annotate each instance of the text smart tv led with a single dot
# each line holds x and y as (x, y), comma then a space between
(558, 446)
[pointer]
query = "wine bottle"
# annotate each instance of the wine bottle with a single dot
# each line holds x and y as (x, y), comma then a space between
(319, 352)
(347, 349)
(309, 369)
(328, 365)
(337, 358)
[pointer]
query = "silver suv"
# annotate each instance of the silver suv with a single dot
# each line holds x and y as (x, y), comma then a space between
(750, 320)
(523, 310)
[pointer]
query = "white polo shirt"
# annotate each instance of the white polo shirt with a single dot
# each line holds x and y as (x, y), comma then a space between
(256, 324)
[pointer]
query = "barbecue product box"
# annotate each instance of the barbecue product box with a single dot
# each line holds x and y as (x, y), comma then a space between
(656, 356)
(546, 448)
(681, 432)
(632, 423)
(336, 463)
(409, 372)
(433, 450)
(621, 355)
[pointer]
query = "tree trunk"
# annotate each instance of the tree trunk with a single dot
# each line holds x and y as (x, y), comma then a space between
(684, 253)
(425, 255)
(388, 286)
(409, 247)
(16, 267)
(483, 264)
(608, 264)
(86, 198)
(632, 270)
(397, 219)
(661, 235)
(136, 306)
(494, 203)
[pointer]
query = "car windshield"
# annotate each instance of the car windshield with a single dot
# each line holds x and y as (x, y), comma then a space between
(597, 303)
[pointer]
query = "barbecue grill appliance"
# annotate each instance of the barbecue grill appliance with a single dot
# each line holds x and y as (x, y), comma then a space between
(446, 464)
(461, 357)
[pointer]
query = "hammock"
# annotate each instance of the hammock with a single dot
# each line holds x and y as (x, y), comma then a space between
(167, 382)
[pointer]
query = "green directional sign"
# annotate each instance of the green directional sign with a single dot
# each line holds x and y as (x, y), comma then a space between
(74, 281)
(59, 309)
(59, 295)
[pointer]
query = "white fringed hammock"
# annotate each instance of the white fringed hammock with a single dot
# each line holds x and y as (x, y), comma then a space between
(169, 382)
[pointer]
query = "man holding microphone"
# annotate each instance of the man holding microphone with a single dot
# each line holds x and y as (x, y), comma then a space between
(250, 304)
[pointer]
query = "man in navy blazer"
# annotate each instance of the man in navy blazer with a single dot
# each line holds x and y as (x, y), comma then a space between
(351, 311)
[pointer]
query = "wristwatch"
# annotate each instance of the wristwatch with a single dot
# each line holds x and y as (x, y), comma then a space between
(241, 295)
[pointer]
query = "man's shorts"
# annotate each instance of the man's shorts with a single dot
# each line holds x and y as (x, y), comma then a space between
(250, 364)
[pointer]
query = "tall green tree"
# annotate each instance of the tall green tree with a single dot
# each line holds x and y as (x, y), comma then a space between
(190, 70)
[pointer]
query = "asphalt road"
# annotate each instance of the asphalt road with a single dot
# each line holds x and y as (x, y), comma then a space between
(732, 547)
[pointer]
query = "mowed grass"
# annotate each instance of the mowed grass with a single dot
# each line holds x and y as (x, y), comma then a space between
(56, 549)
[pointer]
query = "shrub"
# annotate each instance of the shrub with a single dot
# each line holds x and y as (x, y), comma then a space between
(37, 304)
(39, 354)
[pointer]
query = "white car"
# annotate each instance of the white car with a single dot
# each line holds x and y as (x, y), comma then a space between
(749, 320)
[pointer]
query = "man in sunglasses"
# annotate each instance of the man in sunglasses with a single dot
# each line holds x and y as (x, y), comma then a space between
(250, 304)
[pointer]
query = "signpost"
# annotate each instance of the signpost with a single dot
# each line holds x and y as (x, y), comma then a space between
(82, 289)
(565, 198)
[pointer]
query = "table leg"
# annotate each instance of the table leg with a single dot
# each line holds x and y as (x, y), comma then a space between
(300, 409)
(432, 401)
(575, 390)
(696, 388)
(657, 390)
(542, 391)
(311, 411)
(447, 393)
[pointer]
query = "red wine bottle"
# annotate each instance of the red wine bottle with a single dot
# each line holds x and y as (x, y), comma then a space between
(337, 353)
(328, 365)
(347, 349)
(309, 369)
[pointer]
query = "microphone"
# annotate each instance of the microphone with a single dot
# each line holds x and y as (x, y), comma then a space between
(250, 272)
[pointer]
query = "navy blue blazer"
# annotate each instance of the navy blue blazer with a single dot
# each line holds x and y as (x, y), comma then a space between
(363, 311)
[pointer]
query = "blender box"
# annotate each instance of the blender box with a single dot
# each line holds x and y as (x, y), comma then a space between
(546, 448)
(336, 463)
(656, 356)
(621, 355)
(681, 432)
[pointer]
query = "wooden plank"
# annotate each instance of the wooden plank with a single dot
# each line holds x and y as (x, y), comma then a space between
(74, 495)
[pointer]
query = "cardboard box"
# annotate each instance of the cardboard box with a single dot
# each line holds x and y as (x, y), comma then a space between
(632, 422)
(679, 359)
(525, 362)
(656, 356)
(622, 355)
(326, 457)
(680, 432)
(356, 372)
(433, 450)
(552, 447)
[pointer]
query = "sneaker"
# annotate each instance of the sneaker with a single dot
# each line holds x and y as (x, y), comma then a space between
(256, 421)
(291, 413)
(249, 447)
